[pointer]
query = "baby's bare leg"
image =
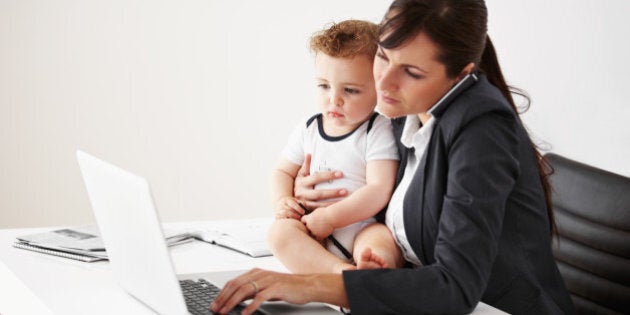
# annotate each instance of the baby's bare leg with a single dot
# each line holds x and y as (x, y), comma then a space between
(299, 252)
(374, 247)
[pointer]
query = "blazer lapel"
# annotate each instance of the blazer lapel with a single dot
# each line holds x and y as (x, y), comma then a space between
(413, 209)
(398, 125)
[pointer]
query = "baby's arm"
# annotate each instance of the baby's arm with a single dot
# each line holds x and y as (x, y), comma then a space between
(282, 201)
(362, 204)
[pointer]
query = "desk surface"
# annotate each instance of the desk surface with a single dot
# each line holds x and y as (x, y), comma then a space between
(33, 283)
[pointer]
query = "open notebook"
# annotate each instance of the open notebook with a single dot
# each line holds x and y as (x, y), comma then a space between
(248, 237)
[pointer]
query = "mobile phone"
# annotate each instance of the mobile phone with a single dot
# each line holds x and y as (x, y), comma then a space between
(458, 88)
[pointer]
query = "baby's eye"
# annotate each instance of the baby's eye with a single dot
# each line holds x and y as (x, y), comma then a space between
(323, 86)
(351, 91)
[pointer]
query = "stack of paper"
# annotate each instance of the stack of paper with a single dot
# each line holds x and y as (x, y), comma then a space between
(85, 244)
(80, 243)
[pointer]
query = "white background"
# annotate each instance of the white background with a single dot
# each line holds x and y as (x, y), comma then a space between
(200, 96)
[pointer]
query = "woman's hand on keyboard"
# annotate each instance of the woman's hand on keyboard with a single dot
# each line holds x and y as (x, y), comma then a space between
(262, 285)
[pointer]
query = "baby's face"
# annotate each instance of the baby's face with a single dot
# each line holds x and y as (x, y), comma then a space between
(346, 90)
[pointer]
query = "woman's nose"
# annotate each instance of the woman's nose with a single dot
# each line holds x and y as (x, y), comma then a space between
(385, 80)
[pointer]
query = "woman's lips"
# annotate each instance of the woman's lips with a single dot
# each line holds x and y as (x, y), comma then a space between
(389, 100)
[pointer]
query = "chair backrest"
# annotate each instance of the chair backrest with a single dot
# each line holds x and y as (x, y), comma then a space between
(592, 248)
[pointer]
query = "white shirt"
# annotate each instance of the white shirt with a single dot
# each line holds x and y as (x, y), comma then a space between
(349, 153)
(413, 136)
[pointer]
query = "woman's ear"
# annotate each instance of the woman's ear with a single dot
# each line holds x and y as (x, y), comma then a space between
(468, 69)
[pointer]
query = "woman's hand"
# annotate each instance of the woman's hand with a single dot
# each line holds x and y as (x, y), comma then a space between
(261, 285)
(288, 208)
(317, 224)
(304, 191)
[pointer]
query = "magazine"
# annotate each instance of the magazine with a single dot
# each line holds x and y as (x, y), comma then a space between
(81, 243)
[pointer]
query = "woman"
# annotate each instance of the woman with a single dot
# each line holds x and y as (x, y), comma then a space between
(471, 209)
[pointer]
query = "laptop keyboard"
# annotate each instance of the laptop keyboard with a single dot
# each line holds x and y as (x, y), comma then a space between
(200, 294)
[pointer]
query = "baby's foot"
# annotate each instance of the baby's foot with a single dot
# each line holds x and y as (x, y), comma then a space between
(343, 266)
(369, 260)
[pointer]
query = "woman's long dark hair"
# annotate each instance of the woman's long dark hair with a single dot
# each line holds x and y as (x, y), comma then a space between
(459, 29)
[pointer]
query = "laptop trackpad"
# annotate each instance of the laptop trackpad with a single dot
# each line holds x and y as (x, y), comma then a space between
(286, 308)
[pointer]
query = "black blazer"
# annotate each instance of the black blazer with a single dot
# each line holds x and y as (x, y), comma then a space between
(475, 216)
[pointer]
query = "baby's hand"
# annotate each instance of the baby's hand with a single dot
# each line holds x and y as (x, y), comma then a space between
(288, 208)
(317, 223)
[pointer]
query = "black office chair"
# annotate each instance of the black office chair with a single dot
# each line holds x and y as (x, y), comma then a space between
(592, 249)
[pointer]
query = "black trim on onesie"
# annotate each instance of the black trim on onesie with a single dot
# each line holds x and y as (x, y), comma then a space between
(372, 119)
(310, 120)
(322, 133)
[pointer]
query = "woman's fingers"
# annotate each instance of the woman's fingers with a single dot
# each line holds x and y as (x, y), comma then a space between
(305, 169)
(256, 284)
(319, 177)
(266, 291)
(261, 285)
(255, 303)
(318, 194)
(244, 292)
(303, 188)
(235, 291)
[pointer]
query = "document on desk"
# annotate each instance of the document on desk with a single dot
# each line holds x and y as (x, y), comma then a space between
(248, 238)
(85, 244)
(80, 243)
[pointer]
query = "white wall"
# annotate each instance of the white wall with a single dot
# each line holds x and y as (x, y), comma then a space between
(199, 96)
(572, 58)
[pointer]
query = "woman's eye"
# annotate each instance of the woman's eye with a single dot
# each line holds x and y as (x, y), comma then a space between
(413, 75)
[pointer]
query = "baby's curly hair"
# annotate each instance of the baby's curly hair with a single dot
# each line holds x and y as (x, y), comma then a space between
(346, 39)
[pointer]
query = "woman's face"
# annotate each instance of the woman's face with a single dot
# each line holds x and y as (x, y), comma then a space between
(409, 79)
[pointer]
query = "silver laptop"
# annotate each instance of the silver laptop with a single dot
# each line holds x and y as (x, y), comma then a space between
(133, 237)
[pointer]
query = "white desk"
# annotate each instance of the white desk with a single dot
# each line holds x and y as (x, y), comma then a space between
(34, 283)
